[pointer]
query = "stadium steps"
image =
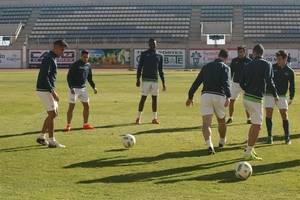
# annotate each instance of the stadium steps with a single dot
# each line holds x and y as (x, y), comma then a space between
(27, 28)
(195, 29)
(238, 25)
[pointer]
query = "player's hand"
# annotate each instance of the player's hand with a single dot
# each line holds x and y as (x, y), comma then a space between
(189, 102)
(55, 96)
(227, 101)
(164, 88)
(72, 91)
(95, 90)
(290, 101)
(138, 83)
(276, 99)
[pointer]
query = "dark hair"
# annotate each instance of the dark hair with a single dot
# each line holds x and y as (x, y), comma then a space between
(282, 53)
(259, 49)
(242, 48)
(151, 40)
(84, 52)
(60, 43)
(223, 53)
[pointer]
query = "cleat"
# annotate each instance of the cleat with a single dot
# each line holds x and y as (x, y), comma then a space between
(42, 141)
(229, 121)
(288, 142)
(138, 121)
(67, 128)
(211, 151)
(248, 121)
(251, 156)
(55, 144)
(269, 140)
(87, 127)
(155, 121)
(221, 145)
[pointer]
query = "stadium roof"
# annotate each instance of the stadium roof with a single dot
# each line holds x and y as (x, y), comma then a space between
(146, 2)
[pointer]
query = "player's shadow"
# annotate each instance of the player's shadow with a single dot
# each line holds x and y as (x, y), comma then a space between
(23, 148)
(166, 176)
(160, 174)
(62, 130)
(177, 129)
(99, 163)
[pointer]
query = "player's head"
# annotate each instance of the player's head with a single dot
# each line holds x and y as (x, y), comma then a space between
(241, 51)
(223, 55)
(84, 56)
(258, 50)
(59, 46)
(281, 58)
(152, 43)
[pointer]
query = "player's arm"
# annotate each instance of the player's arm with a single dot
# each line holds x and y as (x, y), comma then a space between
(44, 73)
(292, 85)
(139, 70)
(161, 72)
(232, 69)
(90, 80)
(194, 88)
(70, 77)
(242, 80)
(226, 84)
(269, 74)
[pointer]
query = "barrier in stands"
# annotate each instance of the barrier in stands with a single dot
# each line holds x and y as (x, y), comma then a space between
(270, 55)
(35, 58)
(10, 59)
(172, 58)
(110, 58)
(200, 57)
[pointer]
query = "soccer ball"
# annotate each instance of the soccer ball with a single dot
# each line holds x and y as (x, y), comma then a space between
(243, 170)
(128, 141)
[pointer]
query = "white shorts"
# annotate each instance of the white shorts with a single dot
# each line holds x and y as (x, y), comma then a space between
(80, 93)
(269, 102)
(235, 90)
(255, 111)
(48, 101)
(212, 103)
(149, 87)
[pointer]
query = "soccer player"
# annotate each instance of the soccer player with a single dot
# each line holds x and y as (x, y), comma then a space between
(46, 91)
(284, 79)
(236, 67)
(215, 97)
(78, 74)
(256, 76)
(150, 65)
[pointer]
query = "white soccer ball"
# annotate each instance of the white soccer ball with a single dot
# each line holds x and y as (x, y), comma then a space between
(128, 141)
(243, 170)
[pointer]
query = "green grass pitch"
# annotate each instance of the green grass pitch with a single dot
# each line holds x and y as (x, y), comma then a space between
(169, 160)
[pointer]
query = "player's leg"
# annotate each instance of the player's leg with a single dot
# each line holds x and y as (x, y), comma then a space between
(231, 110)
(269, 124)
(140, 109)
(154, 110)
(255, 111)
(222, 128)
(50, 124)
(285, 124)
(69, 116)
(220, 111)
(86, 113)
(207, 111)
(84, 98)
(269, 103)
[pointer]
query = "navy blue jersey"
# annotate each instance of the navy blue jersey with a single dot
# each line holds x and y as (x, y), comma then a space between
(215, 77)
(237, 66)
(150, 65)
(79, 73)
(47, 74)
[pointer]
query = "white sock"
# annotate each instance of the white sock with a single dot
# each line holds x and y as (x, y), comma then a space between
(154, 115)
(139, 115)
(43, 136)
(249, 149)
(222, 141)
(52, 139)
(209, 143)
